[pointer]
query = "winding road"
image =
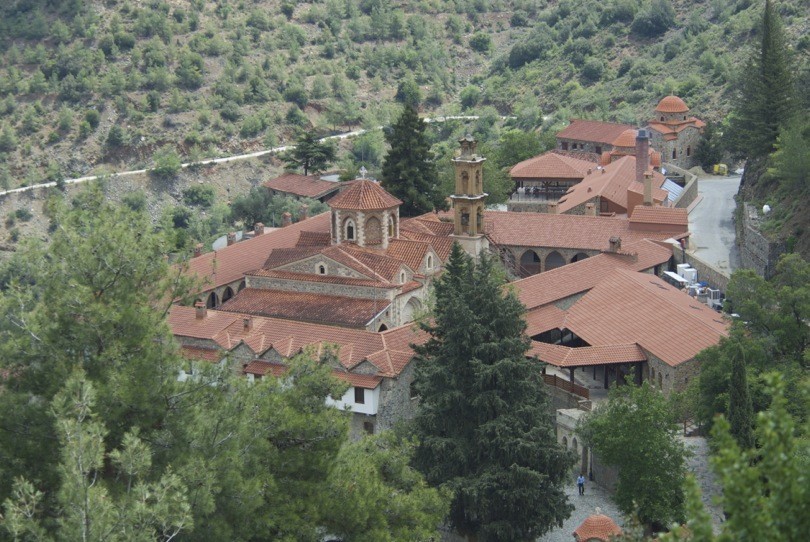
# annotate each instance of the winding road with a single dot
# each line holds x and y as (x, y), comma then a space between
(225, 159)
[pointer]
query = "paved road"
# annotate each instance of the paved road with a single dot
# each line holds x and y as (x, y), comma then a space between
(225, 159)
(586, 505)
(712, 223)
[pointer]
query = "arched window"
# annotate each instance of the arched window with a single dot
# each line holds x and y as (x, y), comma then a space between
(660, 381)
(349, 228)
(689, 151)
(662, 119)
(674, 154)
(529, 263)
(373, 230)
(477, 182)
(402, 277)
(321, 269)
(465, 178)
(565, 442)
(213, 301)
(382, 327)
(554, 260)
(227, 294)
(574, 445)
(241, 286)
(429, 263)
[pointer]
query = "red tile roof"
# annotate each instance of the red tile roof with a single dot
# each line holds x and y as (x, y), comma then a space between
(368, 382)
(231, 263)
(593, 130)
(551, 165)
(543, 319)
(260, 368)
(610, 183)
(585, 356)
(677, 218)
(305, 307)
(314, 239)
(289, 337)
(599, 527)
(629, 307)
(411, 252)
(560, 231)
(213, 355)
(568, 280)
(364, 195)
(308, 186)
(671, 104)
(333, 279)
(626, 138)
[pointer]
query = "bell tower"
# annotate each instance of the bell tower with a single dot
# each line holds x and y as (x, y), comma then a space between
(469, 198)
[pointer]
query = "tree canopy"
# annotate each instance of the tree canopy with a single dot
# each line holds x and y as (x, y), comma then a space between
(310, 154)
(409, 170)
(636, 431)
(483, 426)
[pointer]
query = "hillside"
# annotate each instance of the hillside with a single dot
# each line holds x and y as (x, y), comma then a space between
(91, 86)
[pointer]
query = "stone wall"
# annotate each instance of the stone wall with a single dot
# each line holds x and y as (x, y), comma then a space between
(706, 273)
(527, 206)
(690, 189)
(668, 378)
(757, 252)
(396, 403)
(363, 292)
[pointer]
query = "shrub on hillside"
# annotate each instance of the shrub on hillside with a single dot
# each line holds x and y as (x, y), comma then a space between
(654, 20)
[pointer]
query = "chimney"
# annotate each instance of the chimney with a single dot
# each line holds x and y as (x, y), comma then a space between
(648, 200)
(258, 229)
(590, 209)
(198, 250)
(615, 244)
(201, 311)
(286, 219)
(247, 323)
(642, 154)
(552, 208)
(231, 238)
(303, 213)
(589, 171)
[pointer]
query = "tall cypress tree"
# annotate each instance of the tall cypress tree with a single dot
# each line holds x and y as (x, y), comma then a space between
(409, 171)
(740, 409)
(484, 424)
(767, 98)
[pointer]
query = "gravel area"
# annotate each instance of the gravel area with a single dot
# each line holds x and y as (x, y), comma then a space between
(586, 505)
(698, 464)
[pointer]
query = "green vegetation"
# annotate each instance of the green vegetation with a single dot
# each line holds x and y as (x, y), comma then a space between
(765, 489)
(409, 170)
(483, 427)
(310, 154)
(636, 432)
(102, 441)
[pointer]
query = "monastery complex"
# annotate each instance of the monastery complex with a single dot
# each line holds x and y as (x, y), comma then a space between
(348, 284)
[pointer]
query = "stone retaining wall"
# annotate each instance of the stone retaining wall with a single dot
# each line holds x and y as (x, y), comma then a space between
(690, 189)
(706, 273)
(756, 251)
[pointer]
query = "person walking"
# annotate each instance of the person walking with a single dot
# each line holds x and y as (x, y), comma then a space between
(581, 484)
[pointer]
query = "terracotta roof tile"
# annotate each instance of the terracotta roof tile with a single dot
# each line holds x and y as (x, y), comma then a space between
(551, 165)
(599, 527)
(568, 280)
(585, 356)
(230, 264)
(671, 104)
(314, 239)
(305, 307)
(378, 262)
(308, 186)
(560, 231)
(678, 218)
(390, 349)
(544, 319)
(213, 355)
(628, 307)
(280, 257)
(368, 382)
(261, 368)
(593, 130)
(626, 138)
(610, 183)
(365, 195)
(412, 253)
(306, 277)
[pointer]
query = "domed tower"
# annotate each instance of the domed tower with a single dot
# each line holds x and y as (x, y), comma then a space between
(671, 110)
(364, 214)
(469, 198)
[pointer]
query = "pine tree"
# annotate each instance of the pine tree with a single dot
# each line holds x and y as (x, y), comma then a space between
(767, 92)
(310, 154)
(409, 171)
(484, 426)
(740, 409)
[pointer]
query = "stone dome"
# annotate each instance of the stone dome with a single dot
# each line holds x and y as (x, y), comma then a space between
(672, 104)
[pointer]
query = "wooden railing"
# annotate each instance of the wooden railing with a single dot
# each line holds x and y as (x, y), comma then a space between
(566, 385)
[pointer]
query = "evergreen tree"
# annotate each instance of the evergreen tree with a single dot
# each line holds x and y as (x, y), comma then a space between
(740, 410)
(483, 425)
(767, 98)
(409, 171)
(310, 154)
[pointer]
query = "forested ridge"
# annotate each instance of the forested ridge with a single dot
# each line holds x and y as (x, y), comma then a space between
(85, 84)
